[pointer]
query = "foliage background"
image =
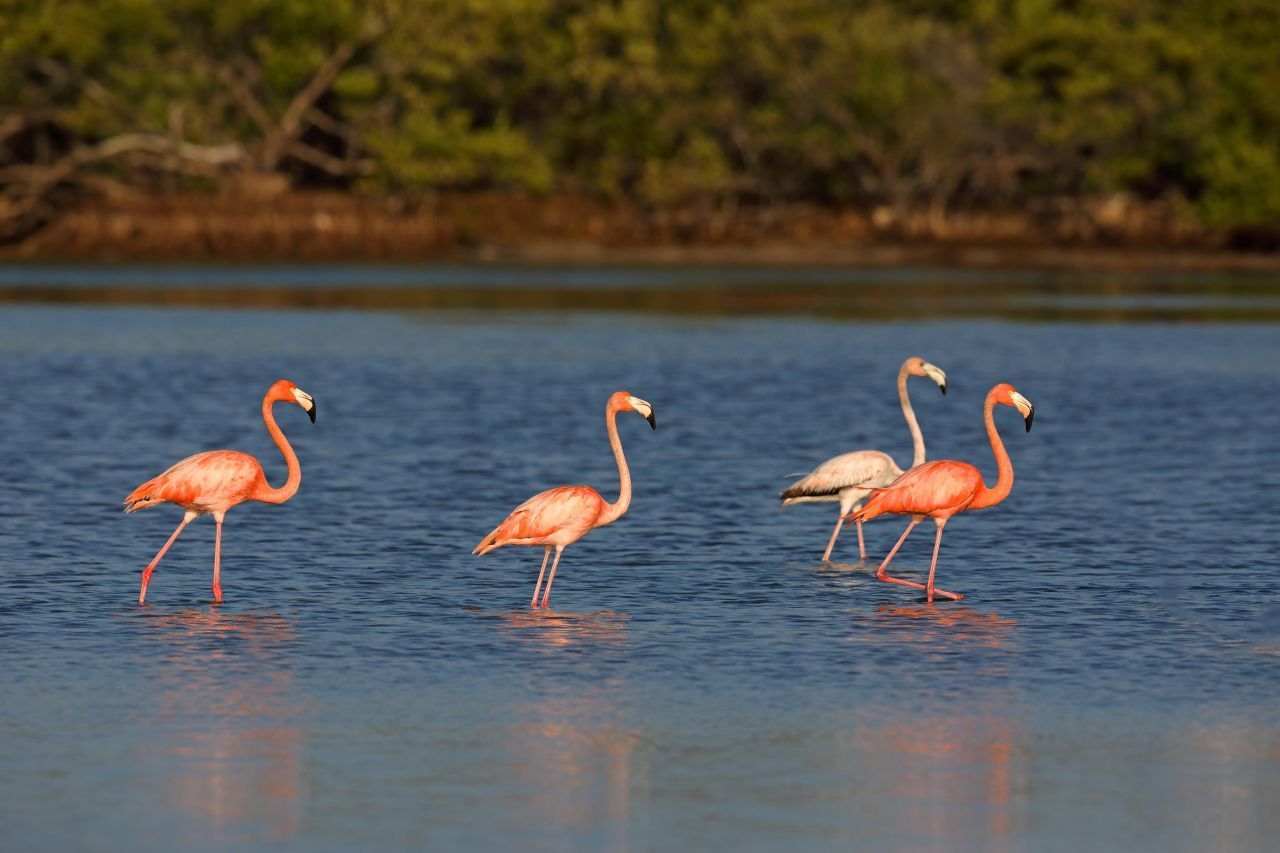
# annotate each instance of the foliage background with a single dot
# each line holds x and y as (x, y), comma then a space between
(935, 105)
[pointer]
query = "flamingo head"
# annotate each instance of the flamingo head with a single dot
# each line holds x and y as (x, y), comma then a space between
(621, 401)
(1009, 396)
(284, 391)
(916, 366)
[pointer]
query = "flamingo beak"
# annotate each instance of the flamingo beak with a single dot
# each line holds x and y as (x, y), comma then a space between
(937, 375)
(1024, 407)
(307, 402)
(644, 408)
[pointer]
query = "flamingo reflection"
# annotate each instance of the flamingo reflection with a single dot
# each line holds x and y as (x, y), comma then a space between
(957, 626)
(954, 765)
(578, 769)
(224, 717)
(940, 771)
(555, 630)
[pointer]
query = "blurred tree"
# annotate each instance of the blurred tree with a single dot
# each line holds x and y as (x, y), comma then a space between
(919, 105)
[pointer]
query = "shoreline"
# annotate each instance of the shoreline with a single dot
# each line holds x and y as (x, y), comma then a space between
(489, 228)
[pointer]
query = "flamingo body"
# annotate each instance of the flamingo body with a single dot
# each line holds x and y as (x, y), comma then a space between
(842, 475)
(938, 489)
(850, 477)
(213, 481)
(559, 517)
(217, 480)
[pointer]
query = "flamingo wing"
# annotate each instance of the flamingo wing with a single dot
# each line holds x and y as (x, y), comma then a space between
(940, 485)
(567, 513)
(206, 482)
(860, 469)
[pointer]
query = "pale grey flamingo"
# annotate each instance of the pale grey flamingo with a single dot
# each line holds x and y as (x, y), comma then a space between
(849, 477)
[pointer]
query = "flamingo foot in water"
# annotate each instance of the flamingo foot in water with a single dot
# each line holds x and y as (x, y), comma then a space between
(953, 596)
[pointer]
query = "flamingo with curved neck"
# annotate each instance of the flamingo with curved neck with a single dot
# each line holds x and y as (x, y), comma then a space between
(946, 487)
(215, 481)
(557, 518)
(850, 477)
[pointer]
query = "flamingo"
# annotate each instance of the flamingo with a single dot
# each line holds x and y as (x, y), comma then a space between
(942, 488)
(849, 477)
(216, 480)
(559, 517)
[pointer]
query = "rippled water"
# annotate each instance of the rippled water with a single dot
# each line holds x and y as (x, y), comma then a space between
(1110, 680)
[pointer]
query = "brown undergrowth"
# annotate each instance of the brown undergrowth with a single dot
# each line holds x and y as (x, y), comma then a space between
(249, 225)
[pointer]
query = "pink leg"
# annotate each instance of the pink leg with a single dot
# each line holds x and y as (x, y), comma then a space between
(541, 572)
(832, 543)
(930, 589)
(862, 547)
(547, 595)
(217, 560)
(880, 573)
(146, 573)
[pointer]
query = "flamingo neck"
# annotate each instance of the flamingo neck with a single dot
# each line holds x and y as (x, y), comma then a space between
(265, 493)
(917, 438)
(614, 511)
(1004, 483)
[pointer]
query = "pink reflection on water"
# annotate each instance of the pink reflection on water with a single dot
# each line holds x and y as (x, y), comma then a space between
(577, 768)
(938, 771)
(949, 766)
(950, 625)
(223, 722)
(553, 629)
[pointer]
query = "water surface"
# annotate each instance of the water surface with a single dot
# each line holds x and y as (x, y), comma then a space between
(702, 681)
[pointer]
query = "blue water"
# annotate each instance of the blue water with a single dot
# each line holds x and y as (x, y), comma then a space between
(702, 682)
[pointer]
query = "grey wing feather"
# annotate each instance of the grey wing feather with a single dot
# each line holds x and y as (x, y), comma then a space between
(863, 468)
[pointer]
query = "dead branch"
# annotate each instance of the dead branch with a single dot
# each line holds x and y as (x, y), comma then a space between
(330, 125)
(25, 188)
(280, 139)
(328, 163)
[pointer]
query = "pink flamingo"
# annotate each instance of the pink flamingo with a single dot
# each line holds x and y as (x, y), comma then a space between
(945, 487)
(559, 517)
(850, 477)
(215, 481)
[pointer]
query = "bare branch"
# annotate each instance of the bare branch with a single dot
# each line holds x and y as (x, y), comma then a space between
(280, 139)
(247, 100)
(327, 163)
(329, 124)
(184, 156)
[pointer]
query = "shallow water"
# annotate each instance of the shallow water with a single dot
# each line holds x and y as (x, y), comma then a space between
(1110, 680)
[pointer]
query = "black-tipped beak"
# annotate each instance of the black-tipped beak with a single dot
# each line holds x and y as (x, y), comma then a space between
(943, 386)
(1030, 417)
(653, 422)
(311, 412)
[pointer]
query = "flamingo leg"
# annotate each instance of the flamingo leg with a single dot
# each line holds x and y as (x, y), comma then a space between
(862, 546)
(826, 556)
(546, 596)
(541, 572)
(217, 560)
(151, 567)
(931, 590)
(880, 573)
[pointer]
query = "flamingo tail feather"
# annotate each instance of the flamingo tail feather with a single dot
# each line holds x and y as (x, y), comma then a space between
(146, 495)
